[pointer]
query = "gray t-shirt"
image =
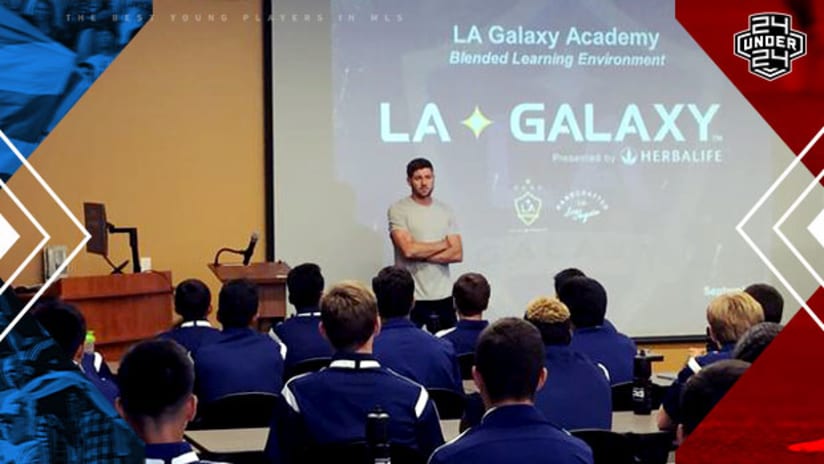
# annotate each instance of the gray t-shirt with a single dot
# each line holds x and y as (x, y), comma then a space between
(425, 224)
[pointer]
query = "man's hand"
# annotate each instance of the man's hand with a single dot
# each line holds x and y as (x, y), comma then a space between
(412, 250)
(452, 254)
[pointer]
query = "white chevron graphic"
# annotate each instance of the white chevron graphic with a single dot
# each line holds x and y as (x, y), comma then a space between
(815, 225)
(46, 237)
(8, 236)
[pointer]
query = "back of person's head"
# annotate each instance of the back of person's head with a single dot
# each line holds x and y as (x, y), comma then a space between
(755, 341)
(706, 388)
(156, 378)
(416, 164)
(395, 291)
(551, 317)
(470, 294)
(586, 300)
(509, 358)
(305, 284)
(731, 314)
(562, 276)
(64, 323)
(192, 300)
(237, 303)
(771, 301)
(348, 314)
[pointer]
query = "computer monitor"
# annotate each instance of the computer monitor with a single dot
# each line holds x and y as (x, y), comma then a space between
(95, 219)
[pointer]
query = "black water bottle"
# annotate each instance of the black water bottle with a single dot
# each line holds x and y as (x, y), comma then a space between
(377, 436)
(642, 384)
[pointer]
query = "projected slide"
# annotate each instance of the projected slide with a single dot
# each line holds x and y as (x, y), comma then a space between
(584, 134)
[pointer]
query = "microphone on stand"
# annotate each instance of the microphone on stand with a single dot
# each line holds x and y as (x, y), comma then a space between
(250, 249)
(247, 253)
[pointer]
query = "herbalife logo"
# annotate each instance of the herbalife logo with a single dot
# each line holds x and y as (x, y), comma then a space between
(628, 157)
(770, 45)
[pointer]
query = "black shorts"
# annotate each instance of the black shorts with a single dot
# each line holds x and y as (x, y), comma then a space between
(435, 315)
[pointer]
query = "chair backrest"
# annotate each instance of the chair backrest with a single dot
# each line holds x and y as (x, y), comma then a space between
(450, 404)
(358, 453)
(622, 396)
(466, 361)
(652, 448)
(308, 365)
(238, 410)
(608, 447)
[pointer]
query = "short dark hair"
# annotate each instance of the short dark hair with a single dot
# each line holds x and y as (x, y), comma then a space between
(395, 291)
(305, 284)
(562, 276)
(416, 164)
(63, 322)
(706, 388)
(471, 294)
(237, 303)
(348, 312)
(509, 357)
(192, 299)
(155, 378)
(755, 340)
(771, 301)
(586, 300)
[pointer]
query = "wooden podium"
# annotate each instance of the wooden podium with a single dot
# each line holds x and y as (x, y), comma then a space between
(270, 278)
(121, 309)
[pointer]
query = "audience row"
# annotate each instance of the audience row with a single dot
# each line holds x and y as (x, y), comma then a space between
(557, 365)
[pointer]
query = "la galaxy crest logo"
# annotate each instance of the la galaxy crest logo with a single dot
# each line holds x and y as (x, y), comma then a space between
(770, 45)
(528, 204)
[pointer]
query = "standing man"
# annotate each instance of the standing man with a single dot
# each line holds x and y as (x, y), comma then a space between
(426, 239)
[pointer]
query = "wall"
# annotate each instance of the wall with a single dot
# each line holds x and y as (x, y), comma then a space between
(170, 138)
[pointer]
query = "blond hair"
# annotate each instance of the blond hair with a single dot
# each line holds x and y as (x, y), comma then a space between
(730, 315)
(548, 310)
(349, 312)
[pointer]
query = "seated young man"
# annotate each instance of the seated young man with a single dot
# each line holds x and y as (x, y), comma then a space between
(704, 390)
(401, 345)
(770, 300)
(300, 333)
(193, 302)
(577, 394)
(470, 295)
(509, 368)
(242, 360)
(729, 317)
(587, 303)
(156, 399)
(331, 406)
(67, 327)
(750, 346)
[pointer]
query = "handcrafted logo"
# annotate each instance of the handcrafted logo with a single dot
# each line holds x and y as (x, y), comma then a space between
(581, 205)
(770, 45)
(528, 204)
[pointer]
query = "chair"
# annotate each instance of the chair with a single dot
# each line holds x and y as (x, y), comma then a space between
(238, 410)
(608, 447)
(652, 448)
(622, 396)
(466, 361)
(358, 453)
(449, 403)
(308, 365)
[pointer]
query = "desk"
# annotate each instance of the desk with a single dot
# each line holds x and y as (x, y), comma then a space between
(245, 440)
(229, 440)
(628, 421)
